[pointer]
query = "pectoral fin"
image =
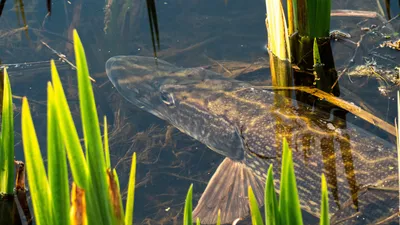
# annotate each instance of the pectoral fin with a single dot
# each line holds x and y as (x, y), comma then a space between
(227, 191)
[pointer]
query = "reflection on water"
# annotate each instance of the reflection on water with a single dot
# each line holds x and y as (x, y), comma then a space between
(230, 37)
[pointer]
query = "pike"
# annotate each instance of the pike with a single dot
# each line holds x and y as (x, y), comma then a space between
(246, 124)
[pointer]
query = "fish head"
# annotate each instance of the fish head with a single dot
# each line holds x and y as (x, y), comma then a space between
(179, 96)
(139, 79)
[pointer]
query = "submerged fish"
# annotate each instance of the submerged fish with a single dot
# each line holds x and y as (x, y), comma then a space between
(246, 124)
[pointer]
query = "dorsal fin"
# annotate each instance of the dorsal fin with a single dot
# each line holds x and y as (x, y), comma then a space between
(227, 191)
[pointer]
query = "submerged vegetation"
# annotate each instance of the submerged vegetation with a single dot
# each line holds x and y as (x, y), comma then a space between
(95, 193)
(286, 210)
(7, 140)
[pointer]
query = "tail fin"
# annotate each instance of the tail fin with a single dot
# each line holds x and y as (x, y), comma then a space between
(227, 191)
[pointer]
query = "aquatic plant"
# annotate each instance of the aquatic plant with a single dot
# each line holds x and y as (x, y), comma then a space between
(11, 197)
(308, 24)
(312, 17)
(95, 194)
(7, 140)
(285, 211)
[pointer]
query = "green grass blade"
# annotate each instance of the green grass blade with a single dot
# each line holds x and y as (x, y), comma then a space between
(187, 212)
(115, 197)
(116, 178)
(272, 216)
(324, 220)
(57, 162)
(256, 218)
(68, 132)
(316, 56)
(198, 221)
(87, 104)
(37, 178)
(92, 136)
(289, 205)
(7, 140)
(131, 193)
(106, 146)
(219, 217)
(318, 17)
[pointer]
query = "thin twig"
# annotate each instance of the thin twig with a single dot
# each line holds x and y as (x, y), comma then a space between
(354, 13)
(63, 57)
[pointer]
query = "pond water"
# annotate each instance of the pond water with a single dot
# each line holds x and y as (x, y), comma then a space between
(191, 33)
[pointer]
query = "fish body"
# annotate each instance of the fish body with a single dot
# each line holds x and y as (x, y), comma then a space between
(247, 124)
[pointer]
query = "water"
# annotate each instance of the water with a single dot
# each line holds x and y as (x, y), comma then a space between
(192, 33)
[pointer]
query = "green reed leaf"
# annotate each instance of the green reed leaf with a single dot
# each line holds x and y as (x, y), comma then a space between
(57, 162)
(116, 178)
(129, 208)
(187, 212)
(40, 191)
(68, 132)
(115, 197)
(316, 56)
(106, 146)
(198, 221)
(91, 132)
(219, 217)
(289, 205)
(7, 140)
(272, 216)
(324, 220)
(255, 213)
(278, 37)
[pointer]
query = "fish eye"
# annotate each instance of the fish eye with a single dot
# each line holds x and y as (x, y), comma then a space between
(167, 98)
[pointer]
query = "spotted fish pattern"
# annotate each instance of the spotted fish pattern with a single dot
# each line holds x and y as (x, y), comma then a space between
(247, 124)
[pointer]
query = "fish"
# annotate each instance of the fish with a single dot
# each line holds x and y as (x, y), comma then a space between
(246, 124)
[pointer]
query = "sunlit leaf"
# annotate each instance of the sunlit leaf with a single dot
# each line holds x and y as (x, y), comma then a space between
(106, 146)
(91, 131)
(187, 211)
(79, 208)
(7, 140)
(130, 200)
(324, 220)
(316, 56)
(39, 187)
(256, 218)
(219, 217)
(113, 190)
(68, 132)
(278, 38)
(116, 179)
(289, 205)
(57, 162)
(272, 216)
